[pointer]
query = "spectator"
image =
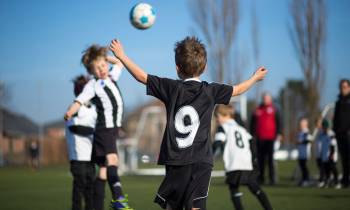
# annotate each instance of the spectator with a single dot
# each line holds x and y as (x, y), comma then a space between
(265, 126)
(34, 154)
(341, 126)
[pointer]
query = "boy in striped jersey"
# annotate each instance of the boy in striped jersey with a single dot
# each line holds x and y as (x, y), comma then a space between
(104, 92)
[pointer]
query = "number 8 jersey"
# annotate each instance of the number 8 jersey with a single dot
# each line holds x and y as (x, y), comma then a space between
(237, 153)
(189, 106)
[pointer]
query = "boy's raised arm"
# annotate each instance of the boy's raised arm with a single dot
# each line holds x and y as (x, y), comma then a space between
(138, 73)
(244, 86)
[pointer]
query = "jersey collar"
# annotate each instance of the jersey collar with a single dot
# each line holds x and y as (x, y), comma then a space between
(192, 79)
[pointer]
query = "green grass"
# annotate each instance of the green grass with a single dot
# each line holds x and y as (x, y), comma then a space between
(50, 189)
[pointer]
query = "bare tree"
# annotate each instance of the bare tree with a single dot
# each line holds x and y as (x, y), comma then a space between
(217, 20)
(255, 44)
(308, 34)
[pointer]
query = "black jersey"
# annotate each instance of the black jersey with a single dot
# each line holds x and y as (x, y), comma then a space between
(189, 106)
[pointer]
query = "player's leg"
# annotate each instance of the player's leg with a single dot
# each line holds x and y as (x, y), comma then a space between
(261, 160)
(307, 174)
(172, 190)
(99, 187)
(78, 186)
(113, 177)
(197, 190)
(89, 185)
(344, 149)
(270, 161)
(235, 196)
(334, 171)
(304, 171)
(260, 194)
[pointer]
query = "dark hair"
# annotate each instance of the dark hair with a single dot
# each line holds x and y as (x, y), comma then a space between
(344, 81)
(325, 124)
(91, 54)
(190, 57)
(79, 84)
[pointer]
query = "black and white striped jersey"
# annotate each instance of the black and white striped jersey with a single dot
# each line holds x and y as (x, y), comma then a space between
(106, 96)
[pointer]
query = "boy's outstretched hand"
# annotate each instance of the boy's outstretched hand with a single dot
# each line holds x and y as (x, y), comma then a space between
(117, 48)
(260, 74)
(138, 73)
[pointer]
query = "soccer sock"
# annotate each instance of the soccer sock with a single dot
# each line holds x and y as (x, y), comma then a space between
(257, 191)
(236, 200)
(264, 201)
(99, 193)
(114, 182)
(236, 197)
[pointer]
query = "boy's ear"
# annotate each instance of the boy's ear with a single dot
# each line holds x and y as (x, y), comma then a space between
(177, 69)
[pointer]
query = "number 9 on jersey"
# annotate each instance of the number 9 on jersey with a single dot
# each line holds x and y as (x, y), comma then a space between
(190, 130)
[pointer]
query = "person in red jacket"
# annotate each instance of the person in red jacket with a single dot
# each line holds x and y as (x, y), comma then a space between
(265, 126)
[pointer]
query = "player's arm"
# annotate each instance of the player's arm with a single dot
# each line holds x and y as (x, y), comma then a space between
(117, 67)
(74, 108)
(86, 95)
(246, 85)
(138, 73)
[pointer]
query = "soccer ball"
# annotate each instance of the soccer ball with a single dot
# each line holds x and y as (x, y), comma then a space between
(142, 16)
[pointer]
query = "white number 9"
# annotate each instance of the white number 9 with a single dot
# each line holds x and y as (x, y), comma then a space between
(190, 129)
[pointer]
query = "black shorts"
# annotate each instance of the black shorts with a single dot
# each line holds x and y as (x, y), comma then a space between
(185, 187)
(105, 142)
(241, 177)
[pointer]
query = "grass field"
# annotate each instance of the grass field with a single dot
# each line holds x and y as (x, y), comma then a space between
(50, 189)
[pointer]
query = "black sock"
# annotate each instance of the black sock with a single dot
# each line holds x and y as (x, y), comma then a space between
(114, 182)
(236, 200)
(263, 200)
(99, 193)
(236, 197)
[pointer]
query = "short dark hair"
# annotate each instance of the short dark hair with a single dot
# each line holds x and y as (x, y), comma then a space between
(91, 54)
(79, 84)
(344, 81)
(190, 57)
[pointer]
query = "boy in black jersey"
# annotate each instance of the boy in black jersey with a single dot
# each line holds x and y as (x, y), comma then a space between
(186, 147)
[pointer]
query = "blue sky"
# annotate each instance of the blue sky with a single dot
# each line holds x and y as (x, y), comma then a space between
(41, 43)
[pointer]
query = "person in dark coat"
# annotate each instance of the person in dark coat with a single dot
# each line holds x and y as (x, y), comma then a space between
(341, 126)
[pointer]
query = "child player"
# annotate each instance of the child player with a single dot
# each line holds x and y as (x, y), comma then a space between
(304, 146)
(239, 157)
(186, 146)
(329, 156)
(103, 91)
(79, 133)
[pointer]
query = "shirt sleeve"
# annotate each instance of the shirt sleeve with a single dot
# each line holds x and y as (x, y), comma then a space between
(115, 72)
(160, 87)
(87, 94)
(221, 93)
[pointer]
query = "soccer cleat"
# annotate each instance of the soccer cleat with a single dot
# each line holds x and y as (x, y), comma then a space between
(120, 204)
